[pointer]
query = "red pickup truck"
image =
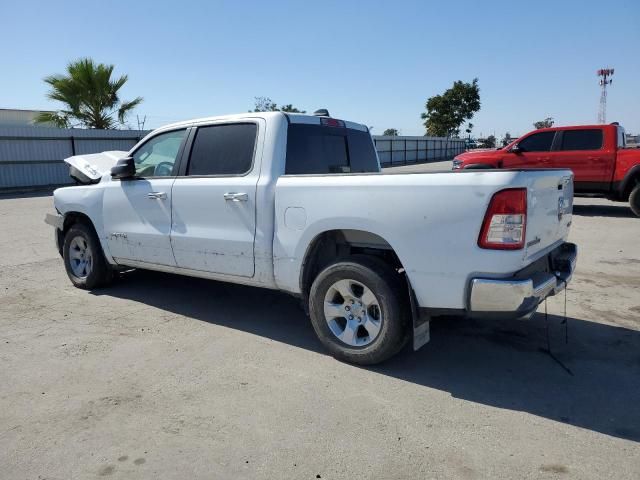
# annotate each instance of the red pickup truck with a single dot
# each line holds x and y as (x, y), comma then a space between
(601, 162)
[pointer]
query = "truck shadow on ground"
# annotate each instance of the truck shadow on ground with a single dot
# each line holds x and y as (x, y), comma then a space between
(500, 364)
(619, 211)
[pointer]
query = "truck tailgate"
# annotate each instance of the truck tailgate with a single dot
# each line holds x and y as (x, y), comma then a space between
(549, 210)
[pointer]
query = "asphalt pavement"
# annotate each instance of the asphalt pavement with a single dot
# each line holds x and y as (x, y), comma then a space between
(161, 376)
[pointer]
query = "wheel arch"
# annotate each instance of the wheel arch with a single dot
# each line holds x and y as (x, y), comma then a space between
(331, 245)
(631, 179)
(73, 217)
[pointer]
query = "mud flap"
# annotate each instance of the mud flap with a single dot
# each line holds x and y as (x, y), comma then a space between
(421, 323)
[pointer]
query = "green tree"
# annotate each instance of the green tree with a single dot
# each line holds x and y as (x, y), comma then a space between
(489, 142)
(546, 123)
(291, 109)
(392, 132)
(507, 139)
(447, 112)
(265, 104)
(90, 97)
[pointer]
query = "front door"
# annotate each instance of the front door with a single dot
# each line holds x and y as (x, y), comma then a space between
(534, 151)
(214, 200)
(137, 211)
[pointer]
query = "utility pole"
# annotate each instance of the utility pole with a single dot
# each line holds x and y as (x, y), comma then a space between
(141, 123)
(604, 74)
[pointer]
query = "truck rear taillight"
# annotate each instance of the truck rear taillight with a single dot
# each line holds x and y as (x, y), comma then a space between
(505, 222)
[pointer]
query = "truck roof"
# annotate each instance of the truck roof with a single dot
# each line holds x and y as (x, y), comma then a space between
(291, 118)
(572, 127)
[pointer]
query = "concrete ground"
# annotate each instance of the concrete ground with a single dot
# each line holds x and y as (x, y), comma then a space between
(160, 376)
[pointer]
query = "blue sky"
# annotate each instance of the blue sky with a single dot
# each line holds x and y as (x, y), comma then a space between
(374, 62)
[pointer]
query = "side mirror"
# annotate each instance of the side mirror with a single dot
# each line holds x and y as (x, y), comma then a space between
(125, 168)
(515, 149)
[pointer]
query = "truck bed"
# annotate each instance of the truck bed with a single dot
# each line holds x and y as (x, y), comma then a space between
(431, 221)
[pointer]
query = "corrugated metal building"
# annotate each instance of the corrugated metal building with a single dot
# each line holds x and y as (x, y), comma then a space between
(13, 117)
(406, 150)
(33, 156)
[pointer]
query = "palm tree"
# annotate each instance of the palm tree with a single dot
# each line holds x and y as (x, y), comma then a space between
(90, 97)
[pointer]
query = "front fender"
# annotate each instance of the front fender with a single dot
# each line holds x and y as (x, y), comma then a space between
(478, 166)
(85, 200)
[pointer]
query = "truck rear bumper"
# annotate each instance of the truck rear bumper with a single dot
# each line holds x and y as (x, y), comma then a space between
(520, 295)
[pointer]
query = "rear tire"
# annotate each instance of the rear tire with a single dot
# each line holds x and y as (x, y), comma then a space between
(83, 258)
(634, 200)
(359, 310)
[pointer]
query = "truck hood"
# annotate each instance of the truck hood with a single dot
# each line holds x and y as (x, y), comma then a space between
(477, 156)
(90, 168)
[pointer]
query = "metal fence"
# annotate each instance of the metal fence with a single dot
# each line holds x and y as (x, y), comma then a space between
(394, 151)
(33, 156)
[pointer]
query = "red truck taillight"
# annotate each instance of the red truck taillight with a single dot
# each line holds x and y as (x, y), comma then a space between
(505, 222)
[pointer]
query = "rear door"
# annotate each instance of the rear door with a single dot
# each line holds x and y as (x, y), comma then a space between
(214, 199)
(534, 151)
(585, 153)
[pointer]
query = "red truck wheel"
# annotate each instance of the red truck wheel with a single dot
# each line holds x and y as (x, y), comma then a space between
(634, 200)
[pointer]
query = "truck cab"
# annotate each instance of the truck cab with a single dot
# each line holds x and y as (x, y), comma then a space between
(597, 154)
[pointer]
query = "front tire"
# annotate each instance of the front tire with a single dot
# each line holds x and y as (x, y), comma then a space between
(634, 200)
(83, 258)
(359, 311)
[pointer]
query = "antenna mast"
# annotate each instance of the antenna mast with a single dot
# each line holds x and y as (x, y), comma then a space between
(604, 74)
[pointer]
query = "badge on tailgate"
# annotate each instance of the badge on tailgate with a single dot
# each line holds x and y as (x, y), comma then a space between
(560, 208)
(565, 202)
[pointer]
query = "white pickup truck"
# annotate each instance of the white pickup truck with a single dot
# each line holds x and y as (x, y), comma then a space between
(298, 203)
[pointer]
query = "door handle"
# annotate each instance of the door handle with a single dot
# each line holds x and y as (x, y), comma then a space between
(157, 195)
(236, 197)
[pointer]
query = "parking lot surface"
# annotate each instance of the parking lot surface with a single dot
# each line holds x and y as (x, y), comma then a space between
(161, 376)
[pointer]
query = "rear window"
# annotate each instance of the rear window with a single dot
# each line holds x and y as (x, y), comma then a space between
(538, 142)
(319, 149)
(582, 139)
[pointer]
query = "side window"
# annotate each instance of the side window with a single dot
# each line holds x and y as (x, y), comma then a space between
(538, 142)
(581, 139)
(362, 152)
(157, 157)
(223, 149)
(622, 138)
